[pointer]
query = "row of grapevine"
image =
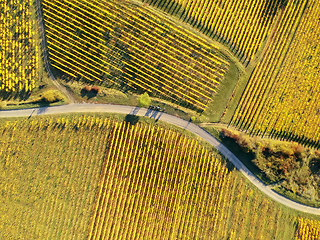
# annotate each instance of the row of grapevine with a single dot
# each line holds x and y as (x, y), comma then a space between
(242, 24)
(49, 173)
(120, 44)
(156, 182)
(19, 53)
(283, 91)
(92, 177)
(308, 229)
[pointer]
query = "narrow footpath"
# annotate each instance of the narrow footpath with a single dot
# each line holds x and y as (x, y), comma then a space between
(45, 53)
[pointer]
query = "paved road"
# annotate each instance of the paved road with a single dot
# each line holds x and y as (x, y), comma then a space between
(169, 119)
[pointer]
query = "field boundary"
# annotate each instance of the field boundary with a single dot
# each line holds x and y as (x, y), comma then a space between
(109, 108)
(45, 53)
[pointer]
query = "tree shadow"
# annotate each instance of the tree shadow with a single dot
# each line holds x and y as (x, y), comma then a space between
(132, 119)
(89, 94)
(314, 166)
(43, 107)
(246, 157)
(18, 96)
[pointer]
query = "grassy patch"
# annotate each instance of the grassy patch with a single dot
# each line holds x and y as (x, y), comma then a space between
(35, 100)
(105, 95)
(219, 101)
(283, 191)
(233, 101)
(118, 96)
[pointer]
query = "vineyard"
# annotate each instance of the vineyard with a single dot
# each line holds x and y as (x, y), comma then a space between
(131, 45)
(47, 182)
(308, 229)
(19, 52)
(243, 25)
(103, 176)
(162, 184)
(282, 95)
(87, 177)
(124, 45)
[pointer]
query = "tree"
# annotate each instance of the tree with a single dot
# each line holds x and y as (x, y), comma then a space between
(144, 100)
(95, 90)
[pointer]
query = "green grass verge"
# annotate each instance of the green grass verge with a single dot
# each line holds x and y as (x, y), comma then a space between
(219, 101)
(294, 197)
(35, 100)
(120, 97)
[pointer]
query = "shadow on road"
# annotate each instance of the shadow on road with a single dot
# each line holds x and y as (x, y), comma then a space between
(187, 125)
(159, 116)
(134, 111)
(148, 113)
(42, 110)
(31, 113)
(153, 114)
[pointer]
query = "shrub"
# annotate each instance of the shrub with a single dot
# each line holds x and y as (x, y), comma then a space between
(95, 89)
(299, 150)
(294, 167)
(51, 96)
(86, 88)
(286, 149)
(245, 142)
(230, 134)
(144, 100)
(48, 97)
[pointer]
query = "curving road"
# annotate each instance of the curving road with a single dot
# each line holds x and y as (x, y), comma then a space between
(108, 108)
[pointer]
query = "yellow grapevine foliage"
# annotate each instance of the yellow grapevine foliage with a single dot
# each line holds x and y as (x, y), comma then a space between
(156, 182)
(87, 177)
(242, 24)
(308, 229)
(283, 91)
(121, 44)
(49, 171)
(19, 53)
